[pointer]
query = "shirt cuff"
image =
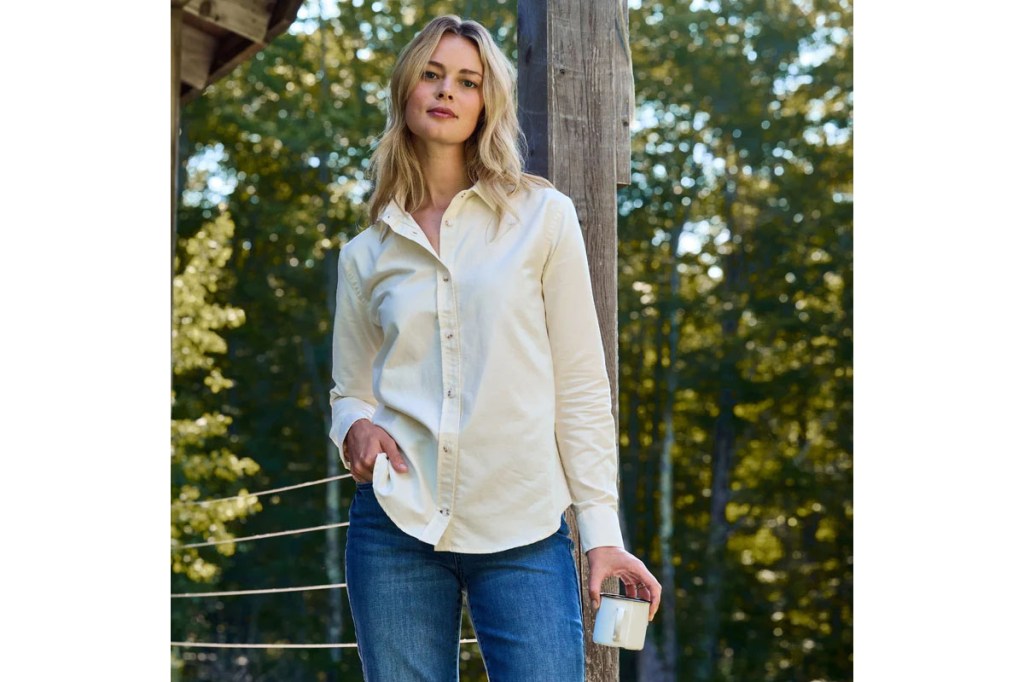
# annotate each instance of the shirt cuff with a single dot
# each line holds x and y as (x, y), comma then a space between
(599, 527)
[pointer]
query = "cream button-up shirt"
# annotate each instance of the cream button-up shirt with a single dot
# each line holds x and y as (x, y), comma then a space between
(484, 362)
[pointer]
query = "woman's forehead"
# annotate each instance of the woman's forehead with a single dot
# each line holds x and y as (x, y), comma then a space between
(456, 53)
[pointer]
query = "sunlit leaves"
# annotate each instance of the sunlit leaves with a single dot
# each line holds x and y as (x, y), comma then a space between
(197, 316)
(199, 464)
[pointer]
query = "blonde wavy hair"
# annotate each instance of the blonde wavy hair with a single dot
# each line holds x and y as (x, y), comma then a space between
(494, 151)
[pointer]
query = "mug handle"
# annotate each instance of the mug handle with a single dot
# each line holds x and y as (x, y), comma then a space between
(620, 615)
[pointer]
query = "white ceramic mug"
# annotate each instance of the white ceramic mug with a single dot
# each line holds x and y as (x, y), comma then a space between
(621, 621)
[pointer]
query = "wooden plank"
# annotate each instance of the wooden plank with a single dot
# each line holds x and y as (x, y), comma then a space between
(197, 50)
(625, 95)
(235, 49)
(566, 57)
(247, 18)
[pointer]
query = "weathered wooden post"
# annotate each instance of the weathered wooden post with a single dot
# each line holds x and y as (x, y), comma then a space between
(575, 105)
(176, 17)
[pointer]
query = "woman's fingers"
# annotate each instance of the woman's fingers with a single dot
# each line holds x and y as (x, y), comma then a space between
(364, 470)
(640, 583)
(368, 444)
(383, 442)
(367, 460)
(651, 590)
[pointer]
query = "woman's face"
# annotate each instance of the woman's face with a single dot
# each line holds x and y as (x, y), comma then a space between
(452, 81)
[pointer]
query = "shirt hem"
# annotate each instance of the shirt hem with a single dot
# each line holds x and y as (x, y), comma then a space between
(542, 535)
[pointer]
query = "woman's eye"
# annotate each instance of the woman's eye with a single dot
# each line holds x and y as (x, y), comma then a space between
(429, 74)
(469, 84)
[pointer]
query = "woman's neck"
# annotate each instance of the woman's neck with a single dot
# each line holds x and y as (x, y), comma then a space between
(444, 172)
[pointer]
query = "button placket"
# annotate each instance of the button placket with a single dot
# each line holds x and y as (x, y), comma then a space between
(448, 328)
(447, 316)
(405, 225)
(454, 208)
(448, 453)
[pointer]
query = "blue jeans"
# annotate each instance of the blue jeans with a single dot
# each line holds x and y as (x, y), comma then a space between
(406, 602)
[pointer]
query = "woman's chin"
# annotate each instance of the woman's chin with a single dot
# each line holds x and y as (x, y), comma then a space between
(434, 139)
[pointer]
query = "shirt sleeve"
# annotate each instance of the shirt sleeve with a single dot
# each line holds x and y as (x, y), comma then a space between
(584, 424)
(355, 345)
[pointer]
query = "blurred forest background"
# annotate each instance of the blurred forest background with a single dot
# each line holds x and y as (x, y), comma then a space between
(735, 335)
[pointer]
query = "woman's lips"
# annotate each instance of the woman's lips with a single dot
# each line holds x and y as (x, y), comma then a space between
(441, 113)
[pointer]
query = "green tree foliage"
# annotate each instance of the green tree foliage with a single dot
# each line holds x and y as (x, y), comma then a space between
(745, 143)
(742, 185)
(202, 461)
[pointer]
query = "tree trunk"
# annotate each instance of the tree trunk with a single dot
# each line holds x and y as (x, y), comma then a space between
(630, 460)
(723, 445)
(660, 663)
(722, 458)
(655, 411)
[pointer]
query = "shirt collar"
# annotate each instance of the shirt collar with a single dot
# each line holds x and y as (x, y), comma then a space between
(393, 214)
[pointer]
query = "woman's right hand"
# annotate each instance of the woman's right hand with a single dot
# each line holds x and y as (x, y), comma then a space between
(363, 442)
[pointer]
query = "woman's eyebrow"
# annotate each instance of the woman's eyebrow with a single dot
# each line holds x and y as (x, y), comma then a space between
(441, 66)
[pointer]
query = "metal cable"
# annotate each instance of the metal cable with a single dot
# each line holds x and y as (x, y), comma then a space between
(218, 645)
(190, 503)
(258, 537)
(235, 593)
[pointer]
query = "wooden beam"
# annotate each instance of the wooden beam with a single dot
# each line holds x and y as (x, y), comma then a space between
(234, 49)
(571, 115)
(625, 95)
(247, 18)
(197, 52)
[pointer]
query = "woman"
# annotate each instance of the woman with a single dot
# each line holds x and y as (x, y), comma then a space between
(471, 400)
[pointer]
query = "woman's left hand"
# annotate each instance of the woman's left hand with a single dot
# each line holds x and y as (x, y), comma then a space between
(606, 562)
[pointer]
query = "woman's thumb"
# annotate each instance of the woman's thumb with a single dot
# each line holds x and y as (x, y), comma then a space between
(594, 588)
(396, 458)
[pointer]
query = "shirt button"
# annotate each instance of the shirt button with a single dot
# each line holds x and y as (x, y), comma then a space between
(448, 222)
(449, 335)
(447, 448)
(444, 511)
(451, 393)
(445, 277)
